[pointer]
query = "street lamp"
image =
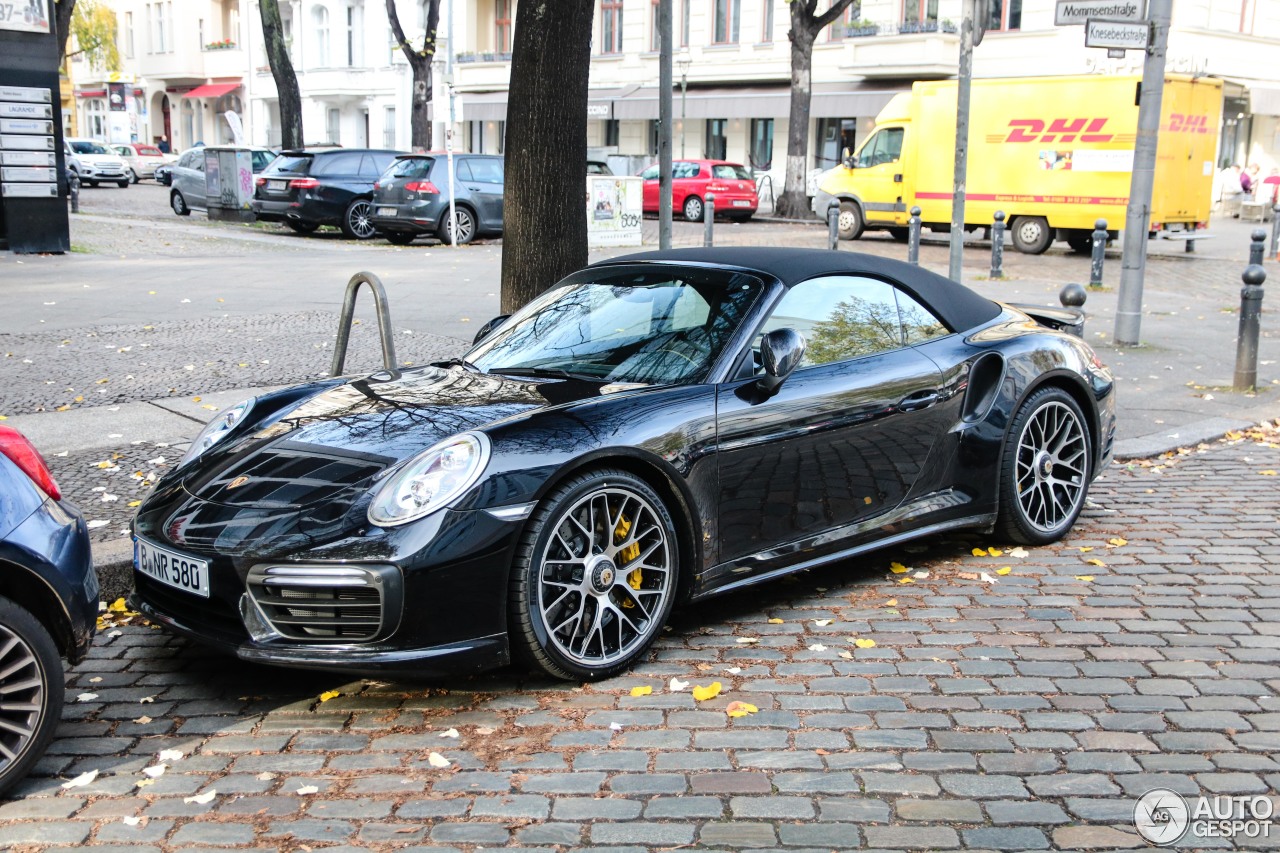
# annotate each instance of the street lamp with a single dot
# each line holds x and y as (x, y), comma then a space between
(684, 62)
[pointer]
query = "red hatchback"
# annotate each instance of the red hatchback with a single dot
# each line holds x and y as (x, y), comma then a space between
(691, 180)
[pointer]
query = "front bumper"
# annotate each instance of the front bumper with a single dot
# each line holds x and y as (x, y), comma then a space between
(822, 201)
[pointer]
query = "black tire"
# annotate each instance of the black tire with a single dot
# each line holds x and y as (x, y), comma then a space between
(133, 176)
(1045, 468)
(179, 204)
(693, 209)
(587, 572)
(33, 692)
(124, 184)
(901, 235)
(399, 238)
(1031, 234)
(356, 224)
(301, 227)
(850, 222)
(1081, 242)
(91, 184)
(466, 225)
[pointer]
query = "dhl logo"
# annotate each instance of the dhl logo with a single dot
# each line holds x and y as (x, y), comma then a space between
(1059, 130)
(1178, 123)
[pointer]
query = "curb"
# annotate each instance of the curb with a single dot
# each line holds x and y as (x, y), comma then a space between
(113, 562)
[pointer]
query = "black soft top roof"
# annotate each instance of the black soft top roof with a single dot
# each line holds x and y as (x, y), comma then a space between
(956, 305)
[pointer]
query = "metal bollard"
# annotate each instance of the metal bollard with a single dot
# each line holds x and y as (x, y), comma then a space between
(1246, 376)
(997, 245)
(1099, 240)
(1257, 246)
(1275, 232)
(833, 227)
(913, 237)
(73, 192)
(709, 218)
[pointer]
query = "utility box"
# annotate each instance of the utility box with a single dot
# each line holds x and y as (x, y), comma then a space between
(615, 210)
(228, 179)
(33, 191)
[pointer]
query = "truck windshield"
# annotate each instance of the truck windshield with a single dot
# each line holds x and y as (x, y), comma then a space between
(885, 146)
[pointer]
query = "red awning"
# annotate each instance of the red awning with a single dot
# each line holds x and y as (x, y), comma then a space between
(212, 90)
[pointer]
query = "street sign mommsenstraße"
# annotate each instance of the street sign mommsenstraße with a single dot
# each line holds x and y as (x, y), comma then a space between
(1125, 35)
(1070, 13)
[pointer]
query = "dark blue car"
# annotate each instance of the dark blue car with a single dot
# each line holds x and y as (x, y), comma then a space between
(48, 602)
(412, 197)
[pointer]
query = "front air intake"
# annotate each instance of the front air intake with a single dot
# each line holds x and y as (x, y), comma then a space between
(334, 604)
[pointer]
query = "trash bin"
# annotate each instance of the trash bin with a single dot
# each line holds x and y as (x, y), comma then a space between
(228, 177)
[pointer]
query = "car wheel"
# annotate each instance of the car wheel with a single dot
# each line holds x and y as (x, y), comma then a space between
(850, 222)
(179, 204)
(595, 576)
(31, 681)
(301, 227)
(91, 183)
(356, 223)
(1045, 468)
(400, 238)
(133, 176)
(124, 183)
(1032, 235)
(693, 209)
(466, 226)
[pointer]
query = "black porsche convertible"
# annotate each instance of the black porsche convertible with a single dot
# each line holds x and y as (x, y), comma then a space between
(654, 429)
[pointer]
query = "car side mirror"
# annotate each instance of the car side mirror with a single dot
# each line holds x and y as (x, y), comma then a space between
(780, 353)
(485, 330)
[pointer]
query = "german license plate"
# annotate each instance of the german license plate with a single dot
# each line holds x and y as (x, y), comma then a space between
(741, 202)
(278, 185)
(171, 568)
(386, 211)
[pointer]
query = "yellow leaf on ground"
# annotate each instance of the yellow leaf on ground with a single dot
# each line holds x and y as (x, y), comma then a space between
(865, 644)
(898, 568)
(1085, 578)
(740, 709)
(1095, 562)
(641, 691)
(117, 606)
(711, 691)
(994, 552)
(979, 552)
(1004, 571)
(893, 602)
(1267, 473)
(905, 580)
(775, 621)
(329, 694)
(135, 503)
(1117, 541)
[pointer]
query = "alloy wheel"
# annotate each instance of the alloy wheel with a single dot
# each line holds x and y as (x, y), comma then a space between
(1051, 467)
(22, 698)
(604, 577)
(358, 220)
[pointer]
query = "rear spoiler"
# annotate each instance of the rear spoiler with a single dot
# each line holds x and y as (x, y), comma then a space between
(1069, 320)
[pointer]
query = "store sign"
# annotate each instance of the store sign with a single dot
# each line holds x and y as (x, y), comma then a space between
(24, 16)
(1118, 35)
(1075, 13)
(26, 111)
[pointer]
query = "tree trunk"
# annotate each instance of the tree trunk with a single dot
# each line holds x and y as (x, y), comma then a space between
(420, 65)
(62, 11)
(544, 205)
(805, 26)
(287, 94)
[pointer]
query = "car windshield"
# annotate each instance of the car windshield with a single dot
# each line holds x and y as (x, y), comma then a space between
(148, 150)
(728, 171)
(655, 327)
(88, 148)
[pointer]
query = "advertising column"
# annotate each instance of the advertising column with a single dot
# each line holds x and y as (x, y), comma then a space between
(33, 211)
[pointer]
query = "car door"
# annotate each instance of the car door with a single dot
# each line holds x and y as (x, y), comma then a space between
(650, 199)
(189, 179)
(687, 179)
(340, 182)
(841, 442)
(878, 177)
(483, 179)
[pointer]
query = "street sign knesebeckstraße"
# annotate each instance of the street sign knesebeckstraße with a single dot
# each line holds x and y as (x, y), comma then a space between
(1074, 13)
(1125, 35)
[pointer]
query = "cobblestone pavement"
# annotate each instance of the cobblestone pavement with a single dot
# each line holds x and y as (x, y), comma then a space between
(1020, 700)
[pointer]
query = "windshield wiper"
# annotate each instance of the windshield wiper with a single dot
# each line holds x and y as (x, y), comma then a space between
(459, 362)
(545, 371)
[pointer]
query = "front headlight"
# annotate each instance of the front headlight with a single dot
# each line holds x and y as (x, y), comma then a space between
(217, 429)
(430, 480)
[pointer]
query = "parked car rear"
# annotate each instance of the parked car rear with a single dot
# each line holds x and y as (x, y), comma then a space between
(412, 197)
(691, 180)
(140, 159)
(305, 189)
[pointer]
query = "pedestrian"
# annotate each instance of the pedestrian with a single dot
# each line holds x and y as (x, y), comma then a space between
(1246, 182)
(1254, 174)
(163, 145)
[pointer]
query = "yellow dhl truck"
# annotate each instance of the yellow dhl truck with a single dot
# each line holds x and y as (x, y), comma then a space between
(1054, 153)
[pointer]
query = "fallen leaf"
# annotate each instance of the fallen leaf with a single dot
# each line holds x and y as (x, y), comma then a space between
(130, 820)
(330, 694)
(847, 655)
(979, 552)
(711, 691)
(617, 727)
(1085, 549)
(641, 691)
(986, 578)
(865, 644)
(202, 799)
(1004, 571)
(775, 621)
(740, 709)
(435, 759)
(485, 730)
(677, 685)
(1095, 562)
(142, 783)
(733, 670)
(145, 700)
(749, 641)
(1018, 552)
(1117, 541)
(921, 575)
(169, 755)
(893, 602)
(155, 771)
(81, 780)
(995, 552)
(898, 568)
(143, 720)
(306, 790)
(905, 580)
(86, 697)
(1267, 473)
(817, 647)
(822, 623)
(1085, 578)
(449, 733)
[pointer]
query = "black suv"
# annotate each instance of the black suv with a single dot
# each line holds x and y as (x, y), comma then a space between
(307, 189)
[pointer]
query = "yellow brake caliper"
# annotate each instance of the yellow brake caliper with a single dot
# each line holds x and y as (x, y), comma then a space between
(627, 554)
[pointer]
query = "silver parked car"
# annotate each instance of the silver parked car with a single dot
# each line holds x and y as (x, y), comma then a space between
(96, 163)
(187, 178)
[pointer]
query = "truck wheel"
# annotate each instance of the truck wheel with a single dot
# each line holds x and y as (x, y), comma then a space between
(1031, 235)
(850, 221)
(1081, 242)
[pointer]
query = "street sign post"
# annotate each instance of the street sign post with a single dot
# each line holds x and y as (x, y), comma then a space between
(1119, 35)
(1076, 13)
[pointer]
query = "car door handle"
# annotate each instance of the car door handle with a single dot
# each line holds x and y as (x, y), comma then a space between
(918, 401)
